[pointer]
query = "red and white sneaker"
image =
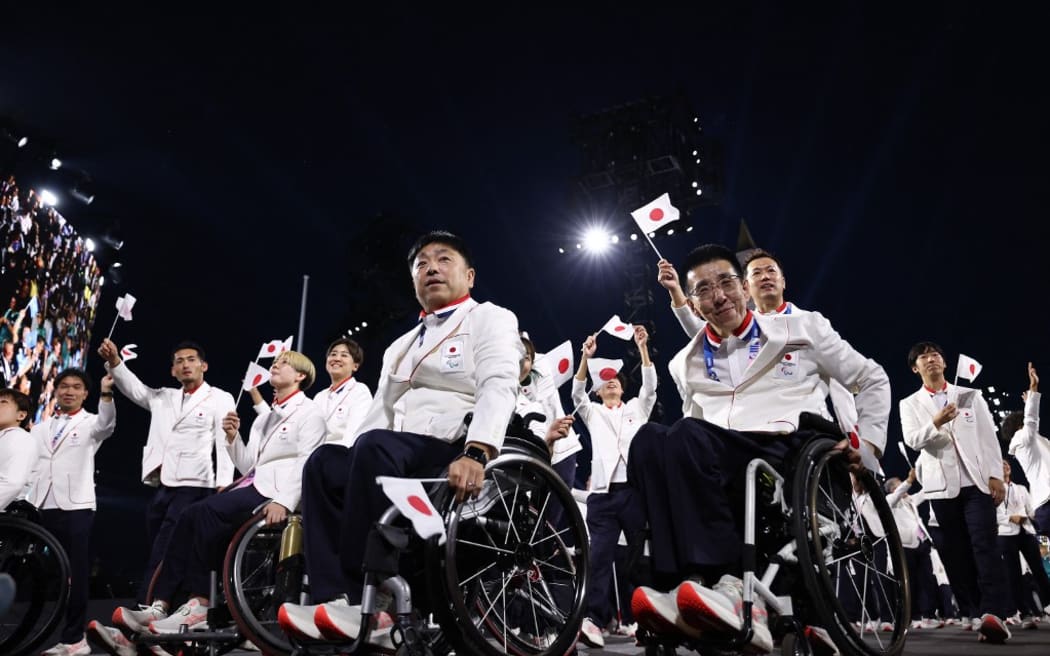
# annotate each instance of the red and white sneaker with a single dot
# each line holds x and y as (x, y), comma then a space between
(193, 615)
(591, 634)
(298, 620)
(657, 612)
(721, 609)
(993, 630)
(110, 640)
(137, 621)
(338, 620)
(820, 641)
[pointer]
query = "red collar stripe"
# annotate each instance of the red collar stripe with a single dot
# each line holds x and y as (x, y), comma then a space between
(933, 391)
(745, 325)
(454, 304)
(285, 399)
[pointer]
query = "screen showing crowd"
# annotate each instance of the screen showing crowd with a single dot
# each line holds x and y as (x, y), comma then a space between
(49, 289)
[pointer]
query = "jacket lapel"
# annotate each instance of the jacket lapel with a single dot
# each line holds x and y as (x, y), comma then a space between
(70, 427)
(776, 333)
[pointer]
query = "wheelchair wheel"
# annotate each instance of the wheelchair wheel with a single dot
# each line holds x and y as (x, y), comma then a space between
(38, 564)
(513, 570)
(843, 562)
(257, 583)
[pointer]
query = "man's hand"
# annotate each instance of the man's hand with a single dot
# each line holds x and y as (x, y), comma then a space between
(465, 476)
(106, 385)
(1033, 379)
(946, 414)
(231, 423)
(275, 513)
(641, 336)
(559, 429)
(852, 456)
(911, 476)
(667, 276)
(1017, 519)
(997, 490)
(109, 352)
(590, 345)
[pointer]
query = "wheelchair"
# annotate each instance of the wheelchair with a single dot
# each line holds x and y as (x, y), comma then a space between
(814, 559)
(36, 561)
(509, 578)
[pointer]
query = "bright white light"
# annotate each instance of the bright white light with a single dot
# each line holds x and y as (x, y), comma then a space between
(579, 246)
(651, 235)
(364, 324)
(991, 390)
(997, 402)
(116, 265)
(696, 119)
(89, 244)
(596, 240)
(22, 142)
(101, 280)
(670, 231)
(697, 160)
(634, 237)
(689, 229)
(699, 192)
(56, 163)
(695, 153)
(349, 331)
(561, 250)
(48, 197)
(695, 184)
(616, 239)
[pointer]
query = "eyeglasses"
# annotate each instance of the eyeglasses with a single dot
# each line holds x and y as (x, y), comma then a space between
(705, 289)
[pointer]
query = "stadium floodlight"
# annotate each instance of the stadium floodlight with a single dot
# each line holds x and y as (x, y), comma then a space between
(596, 240)
(116, 265)
(89, 244)
(84, 191)
(991, 390)
(101, 281)
(56, 163)
(634, 237)
(364, 324)
(349, 331)
(48, 198)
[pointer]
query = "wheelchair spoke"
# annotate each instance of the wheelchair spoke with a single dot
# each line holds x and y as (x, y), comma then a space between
(476, 574)
(485, 546)
(539, 517)
(553, 566)
(551, 536)
(510, 515)
(532, 607)
(502, 595)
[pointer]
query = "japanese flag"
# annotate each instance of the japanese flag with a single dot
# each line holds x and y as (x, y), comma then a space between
(255, 376)
(617, 328)
(968, 368)
(558, 363)
(124, 305)
(411, 499)
(656, 214)
(274, 348)
(128, 352)
(602, 370)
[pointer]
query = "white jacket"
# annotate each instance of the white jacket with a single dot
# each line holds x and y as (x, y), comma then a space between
(971, 434)
(279, 443)
(469, 363)
(906, 516)
(613, 429)
(785, 379)
(1016, 502)
(18, 457)
(343, 411)
(541, 396)
(181, 439)
(67, 469)
(1032, 451)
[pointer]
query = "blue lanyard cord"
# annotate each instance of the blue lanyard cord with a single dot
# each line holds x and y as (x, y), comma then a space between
(753, 336)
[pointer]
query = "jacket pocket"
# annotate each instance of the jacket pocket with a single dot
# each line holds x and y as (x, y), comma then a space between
(192, 466)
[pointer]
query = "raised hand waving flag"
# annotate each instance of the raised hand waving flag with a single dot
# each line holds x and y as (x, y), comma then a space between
(618, 328)
(275, 347)
(654, 216)
(967, 368)
(124, 305)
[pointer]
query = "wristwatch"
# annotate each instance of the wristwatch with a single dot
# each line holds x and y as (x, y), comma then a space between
(477, 454)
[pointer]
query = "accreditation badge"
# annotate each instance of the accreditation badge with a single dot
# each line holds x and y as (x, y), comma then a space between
(452, 356)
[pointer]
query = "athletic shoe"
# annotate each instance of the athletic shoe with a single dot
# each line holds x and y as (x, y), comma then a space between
(591, 635)
(75, 649)
(721, 609)
(110, 640)
(927, 623)
(137, 621)
(1028, 623)
(820, 641)
(975, 623)
(298, 621)
(338, 620)
(192, 614)
(1013, 620)
(657, 612)
(628, 630)
(993, 629)
(886, 627)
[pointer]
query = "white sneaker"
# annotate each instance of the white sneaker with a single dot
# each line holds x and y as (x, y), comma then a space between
(591, 635)
(721, 609)
(338, 620)
(628, 630)
(110, 640)
(137, 621)
(1028, 623)
(298, 620)
(192, 614)
(930, 623)
(76, 649)
(658, 612)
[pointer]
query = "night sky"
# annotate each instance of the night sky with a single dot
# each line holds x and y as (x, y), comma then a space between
(894, 158)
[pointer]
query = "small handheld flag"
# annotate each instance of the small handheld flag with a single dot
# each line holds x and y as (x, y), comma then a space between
(124, 305)
(128, 352)
(411, 499)
(618, 328)
(559, 363)
(654, 216)
(254, 377)
(967, 368)
(603, 370)
(275, 347)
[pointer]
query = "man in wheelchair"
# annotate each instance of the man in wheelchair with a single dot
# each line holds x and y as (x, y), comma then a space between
(462, 358)
(745, 379)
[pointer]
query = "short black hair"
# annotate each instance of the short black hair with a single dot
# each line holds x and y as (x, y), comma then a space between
(73, 372)
(919, 349)
(709, 253)
(760, 253)
(441, 237)
(22, 401)
(186, 344)
(1011, 424)
(356, 352)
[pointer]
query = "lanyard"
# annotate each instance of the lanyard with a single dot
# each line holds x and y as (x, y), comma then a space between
(753, 336)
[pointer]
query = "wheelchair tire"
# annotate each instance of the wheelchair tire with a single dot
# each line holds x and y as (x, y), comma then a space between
(254, 586)
(488, 559)
(837, 553)
(39, 565)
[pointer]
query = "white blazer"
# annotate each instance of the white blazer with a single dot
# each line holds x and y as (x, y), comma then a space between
(67, 469)
(279, 443)
(181, 439)
(18, 456)
(541, 396)
(1016, 502)
(469, 363)
(344, 411)
(906, 515)
(785, 379)
(971, 435)
(1032, 451)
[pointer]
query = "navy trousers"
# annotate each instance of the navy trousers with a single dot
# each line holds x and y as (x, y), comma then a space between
(162, 514)
(324, 487)
(73, 530)
(375, 453)
(689, 478)
(609, 513)
(923, 582)
(1042, 519)
(970, 550)
(1026, 546)
(200, 539)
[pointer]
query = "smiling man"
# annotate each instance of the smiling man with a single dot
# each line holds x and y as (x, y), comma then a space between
(745, 379)
(459, 365)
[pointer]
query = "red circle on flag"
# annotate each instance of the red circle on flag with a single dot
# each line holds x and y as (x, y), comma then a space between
(656, 214)
(854, 440)
(563, 365)
(256, 380)
(452, 349)
(620, 329)
(972, 369)
(787, 356)
(420, 505)
(607, 373)
(271, 348)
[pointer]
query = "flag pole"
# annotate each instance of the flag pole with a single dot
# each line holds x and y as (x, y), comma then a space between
(302, 312)
(113, 327)
(646, 235)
